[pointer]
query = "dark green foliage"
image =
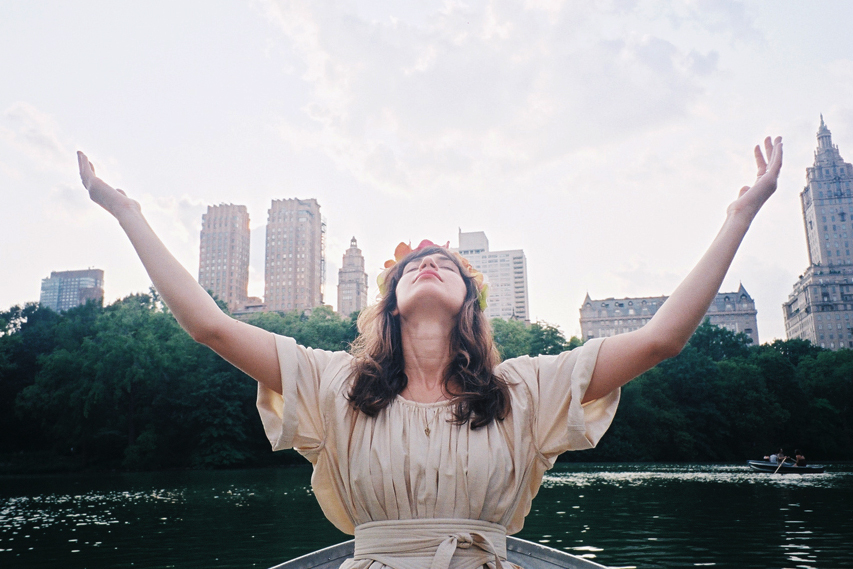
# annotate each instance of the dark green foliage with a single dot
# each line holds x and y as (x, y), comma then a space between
(25, 334)
(511, 337)
(724, 400)
(323, 329)
(515, 338)
(720, 343)
(123, 386)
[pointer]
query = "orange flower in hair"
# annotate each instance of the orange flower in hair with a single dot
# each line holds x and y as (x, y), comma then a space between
(404, 249)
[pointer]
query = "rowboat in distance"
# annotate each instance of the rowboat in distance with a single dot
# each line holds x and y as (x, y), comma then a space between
(523, 553)
(771, 467)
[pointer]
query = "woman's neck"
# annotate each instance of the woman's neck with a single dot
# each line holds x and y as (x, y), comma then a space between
(426, 351)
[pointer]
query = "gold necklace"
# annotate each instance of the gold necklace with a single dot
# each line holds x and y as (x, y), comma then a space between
(427, 430)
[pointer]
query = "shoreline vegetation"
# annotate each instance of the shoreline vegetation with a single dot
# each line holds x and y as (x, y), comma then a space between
(122, 387)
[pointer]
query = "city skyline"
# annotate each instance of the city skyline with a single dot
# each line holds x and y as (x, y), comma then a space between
(505, 272)
(604, 317)
(294, 255)
(352, 281)
(223, 266)
(820, 306)
(604, 139)
(66, 289)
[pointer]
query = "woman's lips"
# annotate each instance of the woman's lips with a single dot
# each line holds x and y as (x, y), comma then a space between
(428, 272)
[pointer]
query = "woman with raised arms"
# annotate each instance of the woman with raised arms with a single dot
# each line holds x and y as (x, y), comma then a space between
(425, 445)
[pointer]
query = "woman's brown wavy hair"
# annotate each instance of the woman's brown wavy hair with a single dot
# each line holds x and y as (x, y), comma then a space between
(378, 375)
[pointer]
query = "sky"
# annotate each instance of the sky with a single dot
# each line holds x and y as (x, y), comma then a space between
(605, 138)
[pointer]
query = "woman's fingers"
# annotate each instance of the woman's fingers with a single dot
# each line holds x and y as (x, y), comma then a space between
(759, 160)
(773, 153)
(776, 160)
(87, 169)
(82, 164)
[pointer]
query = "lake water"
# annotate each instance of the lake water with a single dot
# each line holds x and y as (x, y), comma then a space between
(621, 515)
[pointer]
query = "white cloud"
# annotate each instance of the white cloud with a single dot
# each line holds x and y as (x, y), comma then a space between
(729, 18)
(177, 220)
(475, 99)
(35, 134)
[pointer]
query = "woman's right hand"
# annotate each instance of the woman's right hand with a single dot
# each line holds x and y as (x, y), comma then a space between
(111, 199)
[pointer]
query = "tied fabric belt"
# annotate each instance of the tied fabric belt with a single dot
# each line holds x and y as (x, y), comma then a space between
(431, 544)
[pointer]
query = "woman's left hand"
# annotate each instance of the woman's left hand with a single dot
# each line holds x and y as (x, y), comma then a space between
(751, 198)
(625, 356)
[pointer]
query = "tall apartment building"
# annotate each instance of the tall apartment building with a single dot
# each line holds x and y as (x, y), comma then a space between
(610, 316)
(295, 256)
(506, 272)
(819, 308)
(66, 289)
(223, 265)
(352, 281)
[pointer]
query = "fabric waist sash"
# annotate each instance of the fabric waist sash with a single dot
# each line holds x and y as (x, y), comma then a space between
(431, 543)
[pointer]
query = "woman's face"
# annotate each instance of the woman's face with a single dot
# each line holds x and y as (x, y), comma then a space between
(431, 284)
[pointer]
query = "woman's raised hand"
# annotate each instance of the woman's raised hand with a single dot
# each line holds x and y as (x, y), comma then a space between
(109, 198)
(751, 198)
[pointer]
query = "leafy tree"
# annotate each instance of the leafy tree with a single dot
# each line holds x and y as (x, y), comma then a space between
(26, 334)
(776, 364)
(511, 337)
(124, 386)
(827, 380)
(796, 349)
(514, 338)
(546, 339)
(719, 343)
(750, 416)
(323, 328)
(88, 390)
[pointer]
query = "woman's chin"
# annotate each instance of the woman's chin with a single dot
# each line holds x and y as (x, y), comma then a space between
(430, 308)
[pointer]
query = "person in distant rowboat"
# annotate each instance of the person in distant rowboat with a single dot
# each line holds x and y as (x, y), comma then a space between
(800, 459)
(777, 458)
(424, 446)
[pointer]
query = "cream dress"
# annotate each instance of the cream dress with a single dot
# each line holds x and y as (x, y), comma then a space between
(388, 468)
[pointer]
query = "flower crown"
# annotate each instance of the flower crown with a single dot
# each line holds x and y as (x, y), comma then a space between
(404, 249)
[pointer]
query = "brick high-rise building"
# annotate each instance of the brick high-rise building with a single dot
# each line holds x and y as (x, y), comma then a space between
(66, 289)
(820, 308)
(610, 316)
(223, 266)
(352, 281)
(506, 272)
(295, 256)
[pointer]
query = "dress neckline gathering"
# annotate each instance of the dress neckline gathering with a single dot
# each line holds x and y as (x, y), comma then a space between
(436, 404)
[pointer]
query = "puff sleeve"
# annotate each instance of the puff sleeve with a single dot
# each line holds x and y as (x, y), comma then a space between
(295, 419)
(555, 386)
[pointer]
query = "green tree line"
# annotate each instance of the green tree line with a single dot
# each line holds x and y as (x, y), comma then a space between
(124, 387)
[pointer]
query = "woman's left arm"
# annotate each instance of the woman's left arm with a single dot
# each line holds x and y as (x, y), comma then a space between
(625, 356)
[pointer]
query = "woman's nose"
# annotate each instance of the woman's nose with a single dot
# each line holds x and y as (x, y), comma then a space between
(427, 261)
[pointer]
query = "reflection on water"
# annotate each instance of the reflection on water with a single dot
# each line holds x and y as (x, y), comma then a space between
(697, 515)
(620, 515)
(636, 474)
(176, 519)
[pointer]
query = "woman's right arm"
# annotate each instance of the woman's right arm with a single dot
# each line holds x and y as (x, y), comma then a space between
(249, 348)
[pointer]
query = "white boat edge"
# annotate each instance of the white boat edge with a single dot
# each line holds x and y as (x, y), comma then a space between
(524, 553)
